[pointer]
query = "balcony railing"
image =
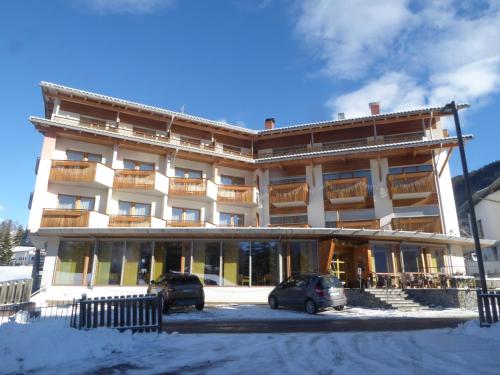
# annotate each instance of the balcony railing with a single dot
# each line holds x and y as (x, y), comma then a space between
(64, 218)
(72, 171)
(129, 221)
(347, 190)
(355, 224)
(132, 179)
(235, 194)
(289, 195)
(417, 224)
(411, 185)
(291, 225)
(185, 223)
(188, 187)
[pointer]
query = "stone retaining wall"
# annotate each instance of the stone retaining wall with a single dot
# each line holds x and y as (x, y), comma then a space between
(359, 298)
(450, 298)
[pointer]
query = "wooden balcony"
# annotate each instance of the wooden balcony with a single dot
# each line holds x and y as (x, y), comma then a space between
(64, 218)
(72, 171)
(129, 221)
(185, 223)
(411, 185)
(80, 172)
(291, 225)
(187, 187)
(132, 179)
(358, 224)
(417, 224)
(289, 195)
(346, 190)
(233, 194)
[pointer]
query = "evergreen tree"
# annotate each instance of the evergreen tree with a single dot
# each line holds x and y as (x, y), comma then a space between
(19, 236)
(6, 246)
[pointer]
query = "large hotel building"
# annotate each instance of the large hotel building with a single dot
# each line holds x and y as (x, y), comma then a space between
(125, 192)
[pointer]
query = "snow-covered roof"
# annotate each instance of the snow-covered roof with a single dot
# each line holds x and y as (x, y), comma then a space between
(143, 107)
(261, 232)
(23, 249)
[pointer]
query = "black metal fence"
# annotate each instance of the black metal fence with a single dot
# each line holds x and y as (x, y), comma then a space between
(139, 313)
(488, 304)
(28, 312)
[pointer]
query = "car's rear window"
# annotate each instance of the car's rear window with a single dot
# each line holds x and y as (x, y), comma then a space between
(186, 280)
(330, 282)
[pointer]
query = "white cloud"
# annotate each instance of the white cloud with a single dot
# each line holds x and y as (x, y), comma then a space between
(2, 208)
(126, 6)
(405, 53)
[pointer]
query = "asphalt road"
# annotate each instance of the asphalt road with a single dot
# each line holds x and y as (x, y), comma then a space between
(310, 325)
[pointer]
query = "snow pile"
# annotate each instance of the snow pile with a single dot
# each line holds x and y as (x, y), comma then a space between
(60, 349)
(8, 273)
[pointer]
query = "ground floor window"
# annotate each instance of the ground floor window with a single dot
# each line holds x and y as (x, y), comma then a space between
(109, 263)
(382, 257)
(236, 263)
(412, 258)
(74, 263)
(171, 256)
(137, 263)
(206, 261)
(299, 257)
(265, 263)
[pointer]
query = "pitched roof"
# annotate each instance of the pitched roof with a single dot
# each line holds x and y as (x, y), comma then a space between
(138, 106)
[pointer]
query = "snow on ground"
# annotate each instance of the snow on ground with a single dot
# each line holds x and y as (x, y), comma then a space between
(50, 347)
(258, 312)
(8, 273)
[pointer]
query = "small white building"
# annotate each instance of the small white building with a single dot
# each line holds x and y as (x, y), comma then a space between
(23, 255)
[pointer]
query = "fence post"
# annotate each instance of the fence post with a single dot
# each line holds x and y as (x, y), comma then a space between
(83, 315)
(159, 310)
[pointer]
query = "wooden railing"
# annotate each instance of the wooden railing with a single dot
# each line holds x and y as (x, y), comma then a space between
(129, 221)
(132, 179)
(185, 223)
(188, 186)
(346, 189)
(67, 170)
(358, 224)
(291, 225)
(64, 218)
(419, 224)
(287, 194)
(411, 183)
(235, 194)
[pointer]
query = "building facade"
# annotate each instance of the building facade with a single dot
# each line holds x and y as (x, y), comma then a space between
(125, 192)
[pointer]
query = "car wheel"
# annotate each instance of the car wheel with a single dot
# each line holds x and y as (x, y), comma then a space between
(273, 302)
(199, 306)
(339, 308)
(311, 307)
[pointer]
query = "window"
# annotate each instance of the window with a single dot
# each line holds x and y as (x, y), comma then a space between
(231, 220)
(74, 263)
(206, 261)
(137, 265)
(295, 219)
(382, 258)
(71, 202)
(412, 261)
(134, 209)
(171, 257)
(109, 263)
(265, 263)
(411, 169)
(185, 214)
(236, 263)
(230, 180)
(138, 165)
(480, 228)
(83, 156)
(299, 257)
(188, 173)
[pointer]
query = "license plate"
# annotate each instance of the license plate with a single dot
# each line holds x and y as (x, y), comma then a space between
(187, 290)
(334, 293)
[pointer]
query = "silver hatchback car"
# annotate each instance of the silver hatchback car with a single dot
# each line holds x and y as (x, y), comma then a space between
(312, 292)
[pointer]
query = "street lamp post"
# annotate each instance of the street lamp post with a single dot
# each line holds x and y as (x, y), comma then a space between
(452, 108)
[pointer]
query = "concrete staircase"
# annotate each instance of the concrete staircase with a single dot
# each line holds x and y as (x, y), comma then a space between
(395, 299)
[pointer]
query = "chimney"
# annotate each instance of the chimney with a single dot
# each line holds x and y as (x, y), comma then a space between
(341, 116)
(375, 108)
(269, 123)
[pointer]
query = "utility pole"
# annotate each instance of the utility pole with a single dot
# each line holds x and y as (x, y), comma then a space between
(452, 108)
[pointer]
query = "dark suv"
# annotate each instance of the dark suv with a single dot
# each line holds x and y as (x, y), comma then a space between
(179, 290)
(309, 291)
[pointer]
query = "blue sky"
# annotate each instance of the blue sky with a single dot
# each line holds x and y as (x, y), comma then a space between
(243, 61)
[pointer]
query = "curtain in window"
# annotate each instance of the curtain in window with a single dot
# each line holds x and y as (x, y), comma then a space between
(192, 215)
(177, 214)
(124, 208)
(87, 204)
(66, 202)
(142, 209)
